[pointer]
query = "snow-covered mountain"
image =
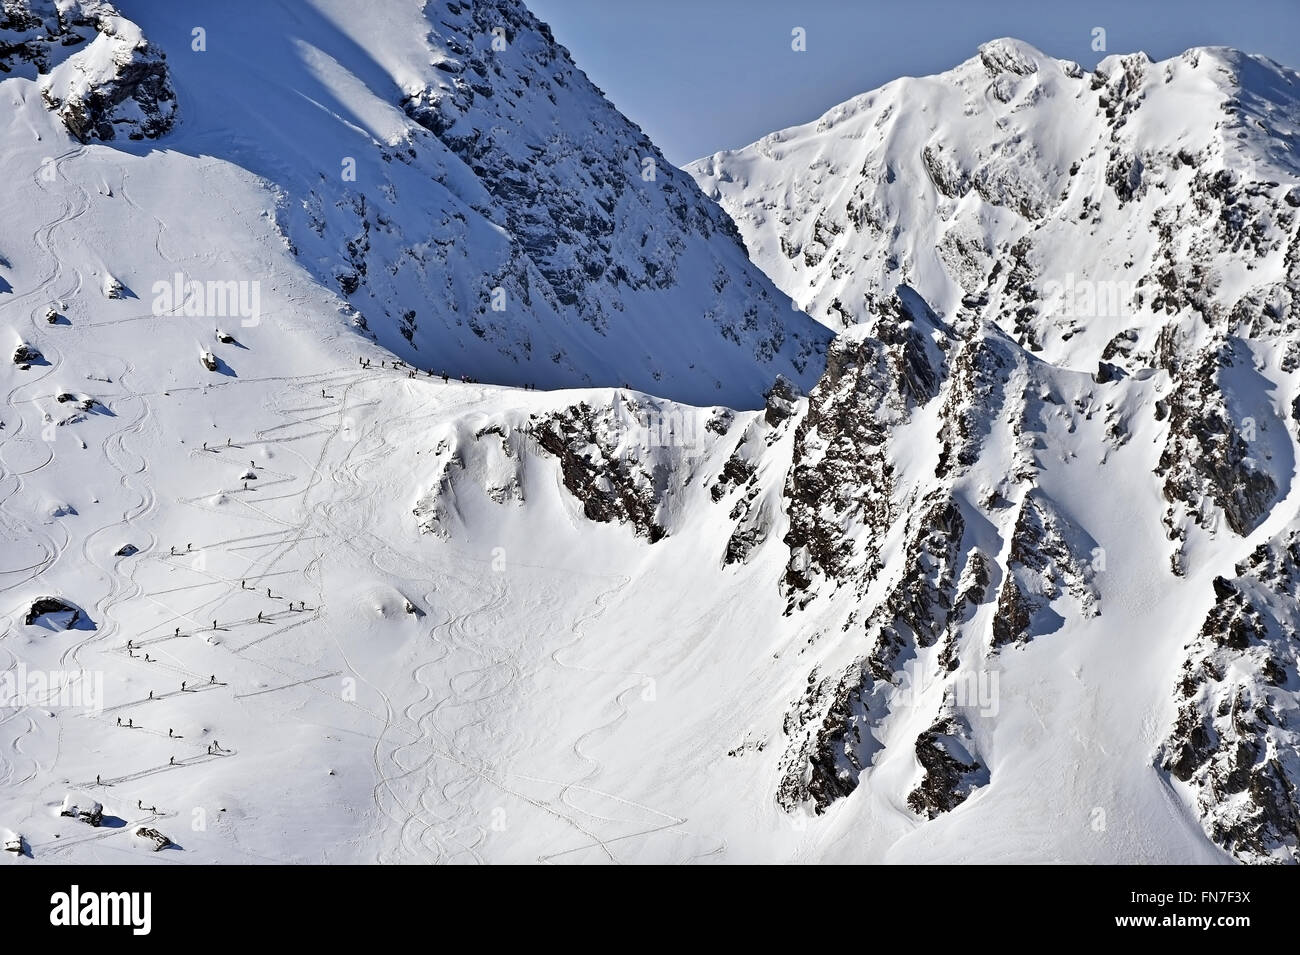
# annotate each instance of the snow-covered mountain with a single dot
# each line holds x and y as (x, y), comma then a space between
(471, 198)
(944, 589)
(1113, 261)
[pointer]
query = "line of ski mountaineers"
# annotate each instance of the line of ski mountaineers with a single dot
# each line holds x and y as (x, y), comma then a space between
(411, 373)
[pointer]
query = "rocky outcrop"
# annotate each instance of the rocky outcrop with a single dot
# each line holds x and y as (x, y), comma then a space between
(833, 729)
(978, 389)
(95, 67)
(950, 772)
(26, 354)
(604, 457)
(841, 475)
(755, 504)
(1208, 459)
(840, 486)
(916, 612)
(1236, 742)
(830, 746)
(53, 606)
(489, 458)
(1050, 557)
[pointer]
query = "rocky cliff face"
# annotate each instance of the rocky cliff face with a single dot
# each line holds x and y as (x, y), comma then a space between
(1236, 741)
(514, 225)
(1057, 221)
(95, 67)
(919, 500)
(472, 200)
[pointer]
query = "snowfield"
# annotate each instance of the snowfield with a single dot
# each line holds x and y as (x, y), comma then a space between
(720, 588)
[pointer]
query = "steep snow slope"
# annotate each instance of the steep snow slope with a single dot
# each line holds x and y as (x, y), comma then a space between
(500, 223)
(447, 170)
(185, 480)
(925, 613)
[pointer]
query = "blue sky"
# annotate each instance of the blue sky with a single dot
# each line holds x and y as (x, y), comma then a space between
(703, 75)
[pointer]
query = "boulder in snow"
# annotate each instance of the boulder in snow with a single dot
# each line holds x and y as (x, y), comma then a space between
(52, 605)
(25, 354)
(154, 836)
(81, 806)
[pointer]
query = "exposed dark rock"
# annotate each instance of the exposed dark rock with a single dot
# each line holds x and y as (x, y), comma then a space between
(951, 772)
(52, 605)
(1106, 372)
(96, 69)
(1236, 741)
(916, 611)
(1050, 557)
(841, 475)
(611, 487)
(1206, 455)
(828, 752)
(154, 836)
(82, 807)
(781, 401)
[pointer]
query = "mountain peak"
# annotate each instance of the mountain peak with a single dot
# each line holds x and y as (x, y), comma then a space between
(470, 200)
(1009, 55)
